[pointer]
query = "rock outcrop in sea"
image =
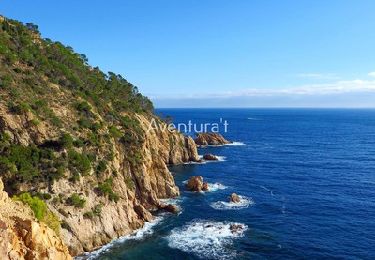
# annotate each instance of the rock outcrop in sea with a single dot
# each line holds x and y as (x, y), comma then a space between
(196, 183)
(210, 157)
(234, 198)
(204, 139)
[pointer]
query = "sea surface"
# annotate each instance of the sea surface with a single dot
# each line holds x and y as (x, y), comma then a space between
(307, 181)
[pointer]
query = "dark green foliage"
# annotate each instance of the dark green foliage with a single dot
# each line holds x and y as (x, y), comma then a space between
(79, 162)
(105, 188)
(102, 166)
(95, 212)
(76, 201)
(129, 183)
(43, 196)
(66, 140)
(83, 107)
(25, 163)
(89, 215)
(116, 133)
(18, 109)
(21, 161)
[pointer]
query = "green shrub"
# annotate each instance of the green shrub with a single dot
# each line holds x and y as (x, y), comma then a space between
(34, 122)
(76, 201)
(37, 205)
(105, 188)
(129, 183)
(97, 210)
(102, 166)
(83, 106)
(89, 215)
(43, 196)
(19, 109)
(66, 140)
(79, 161)
(116, 133)
(40, 209)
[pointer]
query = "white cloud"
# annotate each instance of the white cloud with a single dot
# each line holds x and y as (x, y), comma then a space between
(371, 74)
(338, 87)
(318, 76)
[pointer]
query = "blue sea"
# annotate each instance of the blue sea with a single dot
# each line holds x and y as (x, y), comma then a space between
(307, 181)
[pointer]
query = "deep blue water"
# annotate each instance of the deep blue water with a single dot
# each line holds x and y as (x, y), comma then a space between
(309, 173)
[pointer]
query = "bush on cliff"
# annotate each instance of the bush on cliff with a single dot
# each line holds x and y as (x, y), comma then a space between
(40, 209)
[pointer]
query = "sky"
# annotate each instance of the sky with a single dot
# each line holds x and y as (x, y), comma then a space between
(219, 53)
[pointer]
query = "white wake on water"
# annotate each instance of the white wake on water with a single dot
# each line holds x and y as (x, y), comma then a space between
(245, 202)
(207, 239)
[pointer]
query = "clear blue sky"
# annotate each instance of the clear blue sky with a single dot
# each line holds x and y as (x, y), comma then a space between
(220, 52)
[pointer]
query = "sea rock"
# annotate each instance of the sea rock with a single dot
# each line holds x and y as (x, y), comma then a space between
(196, 183)
(236, 228)
(170, 208)
(203, 139)
(234, 198)
(205, 186)
(210, 157)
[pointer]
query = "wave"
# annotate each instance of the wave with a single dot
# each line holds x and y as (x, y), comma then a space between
(206, 239)
(219, 145)
(266, 189)
(224, 205)
(146, 230)
(236, 144)
(216, 186)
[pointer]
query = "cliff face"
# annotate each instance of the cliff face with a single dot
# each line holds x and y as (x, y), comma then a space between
(139, 186)
(76, 145)
(151, 181)
(22, 237)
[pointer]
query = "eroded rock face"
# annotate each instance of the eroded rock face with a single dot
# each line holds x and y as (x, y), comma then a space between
(210, 157)
(151, 180)
(196, 183)
(22, 237)
(234, 198)
(203, 139)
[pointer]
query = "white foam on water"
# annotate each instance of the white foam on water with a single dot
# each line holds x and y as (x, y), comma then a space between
(236, 144)
(216, 186)
(206, 239)
(224, 205)
(191, 162)
(219, 145)
(173, 201)
(221, 158)
(139, 234)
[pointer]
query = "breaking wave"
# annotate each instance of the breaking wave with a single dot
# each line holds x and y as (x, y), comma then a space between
(207, 239)
(224, 205)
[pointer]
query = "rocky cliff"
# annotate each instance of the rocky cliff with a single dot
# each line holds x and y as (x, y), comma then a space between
(77, 146)
(23, 237)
